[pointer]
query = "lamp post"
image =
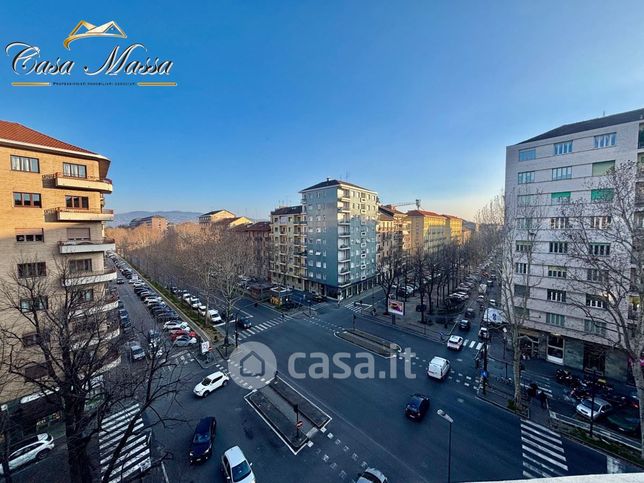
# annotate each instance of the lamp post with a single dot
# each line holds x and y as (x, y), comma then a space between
(505, 339)
(447, 418)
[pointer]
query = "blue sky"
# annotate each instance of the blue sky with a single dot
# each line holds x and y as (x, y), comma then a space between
(414, 99)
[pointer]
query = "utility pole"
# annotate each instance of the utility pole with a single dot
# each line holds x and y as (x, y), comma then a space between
(592, 403)
(354, 322)
(484, 376)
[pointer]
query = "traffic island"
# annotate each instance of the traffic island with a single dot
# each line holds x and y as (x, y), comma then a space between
(370, 342)
(295, 399)
(500, 397)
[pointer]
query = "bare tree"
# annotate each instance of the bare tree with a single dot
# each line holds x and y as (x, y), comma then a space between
(7, 425)
(389, 271)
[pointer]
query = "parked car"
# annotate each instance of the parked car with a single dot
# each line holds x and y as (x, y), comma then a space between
(470, 314)
(30, 449)
(319, 298)
(123, 315)
(243, 323)
(202, 310)
(484, 333)
(455, 342)
(492, 303)
(203, 440)
(214, 316)
(464, 324)
(236, 467)
(626, 420)
(175, 324)
(601, 408)
(210, 383)
(372, 475)
(179, 332)
(195, 304)
(417, 407)
(186, 297)
(119, 281)
(136, 351)
(155, 348)
(438, 368)
(184, 341)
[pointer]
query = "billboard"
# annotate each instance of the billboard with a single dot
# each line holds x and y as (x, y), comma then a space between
(396, 307)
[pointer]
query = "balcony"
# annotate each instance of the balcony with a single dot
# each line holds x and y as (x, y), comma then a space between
(86, 246)
(71, 214)
(86, 278)
(344, 247)
(89, 183)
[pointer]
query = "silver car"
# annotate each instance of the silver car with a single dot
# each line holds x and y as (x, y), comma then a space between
(601, 408)
(34, 448)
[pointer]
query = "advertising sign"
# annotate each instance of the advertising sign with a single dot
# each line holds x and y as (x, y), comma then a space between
(396, 307)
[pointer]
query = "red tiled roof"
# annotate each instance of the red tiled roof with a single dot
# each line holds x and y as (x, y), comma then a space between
(12, 131)
(422, 213)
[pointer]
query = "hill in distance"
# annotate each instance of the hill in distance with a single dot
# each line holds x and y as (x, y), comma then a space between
(171, 216)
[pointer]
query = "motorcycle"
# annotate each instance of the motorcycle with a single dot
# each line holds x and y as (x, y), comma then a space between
(565, 377)
(580, 392)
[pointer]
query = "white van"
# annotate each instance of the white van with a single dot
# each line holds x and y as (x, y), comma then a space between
(438, 368)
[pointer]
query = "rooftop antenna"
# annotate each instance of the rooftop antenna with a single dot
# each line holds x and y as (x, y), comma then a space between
(604, 113)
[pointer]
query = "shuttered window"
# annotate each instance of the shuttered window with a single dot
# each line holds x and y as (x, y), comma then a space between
(78, 234)
(602, 168)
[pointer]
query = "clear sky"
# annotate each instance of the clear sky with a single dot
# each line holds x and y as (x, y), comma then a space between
(413, 99)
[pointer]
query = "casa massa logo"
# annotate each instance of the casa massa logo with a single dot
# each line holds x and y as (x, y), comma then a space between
(132, 60)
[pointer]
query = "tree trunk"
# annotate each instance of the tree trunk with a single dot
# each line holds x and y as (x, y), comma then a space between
(516, 366)
(639, 384)
(77, 459)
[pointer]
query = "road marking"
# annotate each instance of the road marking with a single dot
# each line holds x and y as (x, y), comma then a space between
(539, 427)
(466, 384)
(364, 464)
(479, 345)
(325, 458)
(309, 444)
(330, 435)
(354, 457)
(550, 446)
(345, 449)
(343, 474)
(545, 467)
(472, 344)
(334, 465)
(538, 433)
(541, 455)
(468, 378)
(323, 430)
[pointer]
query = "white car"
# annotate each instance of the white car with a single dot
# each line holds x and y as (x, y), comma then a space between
(195, 304)
(585, 408)
(438, 368)
(236, 467)
(372, 475)
(214, 316)
(492, 303)
(176, 324)
(186, 297)
(34, 448)
(202, 309)
(210, 383)
(455, 342)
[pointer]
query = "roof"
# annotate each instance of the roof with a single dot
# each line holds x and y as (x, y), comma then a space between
(12, 131)
(333, 182)
(287, 210)
(235, 455)
(597, 123)
(257, 226)
(423, 213)
(212, 213)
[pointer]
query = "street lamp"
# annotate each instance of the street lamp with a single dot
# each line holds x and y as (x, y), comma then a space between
(447, 418)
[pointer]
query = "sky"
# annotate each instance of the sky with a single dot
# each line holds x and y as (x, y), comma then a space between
(412, 99)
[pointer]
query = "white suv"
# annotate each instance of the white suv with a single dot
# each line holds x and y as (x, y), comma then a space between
(236, 467)
(210, 383)
(34, 448)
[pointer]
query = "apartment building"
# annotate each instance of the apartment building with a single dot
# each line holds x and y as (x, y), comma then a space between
(341, 222)
(288, 232)
(545, 174)
(52, 213)
(154, 221)
(258, 237)
(223, 218)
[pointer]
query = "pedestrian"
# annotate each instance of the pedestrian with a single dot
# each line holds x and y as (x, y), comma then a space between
(532, 390)
(543, 398)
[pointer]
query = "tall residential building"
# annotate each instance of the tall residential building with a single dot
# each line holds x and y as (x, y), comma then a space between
(428, 230)
(557, 168)
(341, 237)
(154, 221)
(52, 214)
(258, 237)
(288, 232)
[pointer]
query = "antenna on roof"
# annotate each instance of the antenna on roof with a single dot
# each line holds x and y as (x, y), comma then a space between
(603, 113)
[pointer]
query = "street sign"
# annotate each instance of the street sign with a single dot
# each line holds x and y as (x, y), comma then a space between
(299, 424)
(205, 347)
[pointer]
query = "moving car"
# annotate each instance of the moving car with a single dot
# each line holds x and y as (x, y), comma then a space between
(464, 324)
(484, 333)
(319, 298)
(30, 449)
(202, 440)
(455, 342)
(626, 419)
(438, 368)
(184, 341)
(492, 303)
(235, 466)
(470, 314)
(601, 408)
(210, 383)
(417, 407)
(372, 475)
(244, 323)
(214, 316)
(119, 281)
(136, 351)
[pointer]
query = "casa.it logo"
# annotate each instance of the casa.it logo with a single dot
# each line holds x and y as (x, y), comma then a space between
(131, 60)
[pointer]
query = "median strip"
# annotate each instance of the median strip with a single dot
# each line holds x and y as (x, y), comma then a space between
(370, 342)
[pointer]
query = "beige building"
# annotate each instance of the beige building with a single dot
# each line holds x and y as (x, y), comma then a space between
(288, 231)
(52, 213)
(223, 218)
(154, 221)
(432, 230)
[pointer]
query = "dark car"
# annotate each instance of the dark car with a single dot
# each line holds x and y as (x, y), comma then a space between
(417, 407)
(119, 281)
(626, 419)
(319, 298)
(470, 314)
(203, 439)
(464, 324)
(244, 323)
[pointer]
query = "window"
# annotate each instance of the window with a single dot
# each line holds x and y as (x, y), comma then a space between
(561, 173)
(605, 140)
(521, 268)
(556, 295)
(523, 246)
(38, 303)
(86, 295)
(27, 199)
(75, 170)
(557, 272)
(600, 249)
(599, 222)
(594, 327)
(560, 198)
(524, 223)
(35, 371)
(558, 247)
(596, 275)
(525, 200)
(563, 148)
(20, 163)
(527, 154)
(526, 177)
(603, 168)
(521, 290)
(80, 202)
(602, 195)
(559, 223)
(595, 301)
(82, 265)
(555, 319)
(30, 339)
(521, 312)
(30, 270)
(29, 235)
(78, 234)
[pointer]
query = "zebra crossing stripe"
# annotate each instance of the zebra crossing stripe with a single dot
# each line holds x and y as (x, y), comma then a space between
(472, 344)
(261, 326)
(479, 345)
(536, 470)
(128, 410)
(545, 467)
(549, 445)
(542, 456)
(535, 433)
(539, 427)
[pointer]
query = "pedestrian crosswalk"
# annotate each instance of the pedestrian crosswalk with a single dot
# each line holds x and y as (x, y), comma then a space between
(543, 453)
(362, 309)
(472, 344)
(260, 327)
(135, 455)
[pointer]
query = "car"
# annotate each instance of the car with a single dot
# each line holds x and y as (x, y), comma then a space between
(214, 316)
(184, 341)
(438, 368)
(484, 333)
(195, 305)
(201, 309)
(417, 407)
(626, 420)
(236, 467)
(132, 281)
(372, 475)
(455, 342)
(186, 297)
(480, 299)
(123, 315)
(601, 408)
(120, 304)
(136, 351)
(175, 324)
(470, 314)
(210, 383)
(153, 335)
(464, 324)
(174, 334)
(30, 449)
(203, 440)
(243, 323)
(319, 298)
(492, 303)
(120, 281)
(155, 349)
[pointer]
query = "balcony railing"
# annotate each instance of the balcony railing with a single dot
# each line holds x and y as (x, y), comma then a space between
(74, 214)
(86, 278)
(91, 183)
(86, 246)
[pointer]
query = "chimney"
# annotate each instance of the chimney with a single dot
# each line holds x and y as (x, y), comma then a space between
(328, 179)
